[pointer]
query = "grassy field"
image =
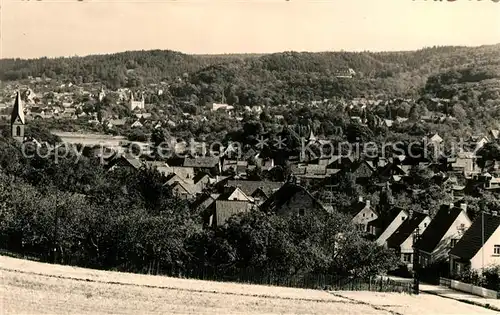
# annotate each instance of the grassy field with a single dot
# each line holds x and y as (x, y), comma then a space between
(29, 287)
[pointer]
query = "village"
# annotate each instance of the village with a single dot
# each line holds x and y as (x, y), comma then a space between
(223, 185)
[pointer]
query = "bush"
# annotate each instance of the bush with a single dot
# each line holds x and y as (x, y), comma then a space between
(489, 279)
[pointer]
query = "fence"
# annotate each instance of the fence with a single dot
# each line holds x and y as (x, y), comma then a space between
(260, 277)
(305, 281)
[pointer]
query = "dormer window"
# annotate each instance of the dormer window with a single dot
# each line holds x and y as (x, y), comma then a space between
(403, 218)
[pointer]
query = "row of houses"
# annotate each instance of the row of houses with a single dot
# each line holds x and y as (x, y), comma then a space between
(449, 236)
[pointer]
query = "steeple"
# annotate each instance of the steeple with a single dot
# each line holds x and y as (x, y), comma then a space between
(102, 95)
(17, 121)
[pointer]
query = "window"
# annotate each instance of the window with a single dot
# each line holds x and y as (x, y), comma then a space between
(363, 215)
(403, 218)
(372, 215)
(425, 225)
(454, 242)
(18, 131)
(302, 212)
(496, 249)
(407, 258)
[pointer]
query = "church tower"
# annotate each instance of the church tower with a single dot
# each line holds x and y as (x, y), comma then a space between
(102, 95)
(17, 121)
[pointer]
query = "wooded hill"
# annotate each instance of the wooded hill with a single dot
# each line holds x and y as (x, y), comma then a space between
(265, 78)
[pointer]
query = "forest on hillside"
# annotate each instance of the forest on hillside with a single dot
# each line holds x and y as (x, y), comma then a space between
(468, 76)
(267, 78)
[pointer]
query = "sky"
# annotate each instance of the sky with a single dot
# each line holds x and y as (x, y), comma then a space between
(53, 28)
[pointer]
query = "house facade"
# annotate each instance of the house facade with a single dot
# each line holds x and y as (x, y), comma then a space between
(402, 240)
(363, 214)
(479, 247)
(293, 199)
(445, 230)
(389, 225)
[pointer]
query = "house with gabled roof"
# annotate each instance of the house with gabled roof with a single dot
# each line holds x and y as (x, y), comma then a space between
(479, 247)
(435, 139)
(182, 189)
(392, 171)
(201, 181)
(234, 193)
(363, 213)
(479, 142)
(363, 170)
(221, 210)
(124, 162)
(385, 225)
(401, 241)
(445, 230)
(137, 124)
(292, 199)
(249, 187)
(172, 178)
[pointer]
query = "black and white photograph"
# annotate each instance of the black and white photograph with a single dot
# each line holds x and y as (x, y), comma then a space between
(250, 157)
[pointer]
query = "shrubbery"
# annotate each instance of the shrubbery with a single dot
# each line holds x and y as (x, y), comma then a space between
(489, 279)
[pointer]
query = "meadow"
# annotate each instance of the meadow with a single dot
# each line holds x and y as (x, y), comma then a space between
(29, 287)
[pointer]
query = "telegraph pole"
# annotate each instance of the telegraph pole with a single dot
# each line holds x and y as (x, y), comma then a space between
(482, 242)
(416, 262)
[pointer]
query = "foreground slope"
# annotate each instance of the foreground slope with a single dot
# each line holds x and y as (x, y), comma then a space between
(35, 288)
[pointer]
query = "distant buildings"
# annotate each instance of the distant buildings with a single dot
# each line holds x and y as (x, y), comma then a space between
(345, 73)
(136, 104)
(215, 106)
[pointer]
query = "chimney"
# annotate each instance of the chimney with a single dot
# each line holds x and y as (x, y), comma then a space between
(360, 199)
(367, 203)
(451, 206)
(463, 206)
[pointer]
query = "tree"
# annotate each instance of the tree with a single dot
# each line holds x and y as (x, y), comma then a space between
(413, 115)
(158, 137)
(459, 112)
